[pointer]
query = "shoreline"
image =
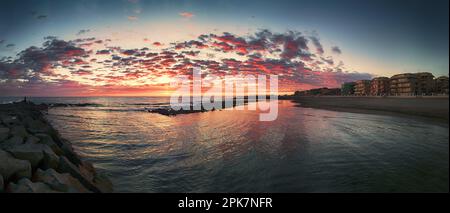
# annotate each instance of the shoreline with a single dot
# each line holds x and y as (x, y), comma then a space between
(34, 158)
(435, 108)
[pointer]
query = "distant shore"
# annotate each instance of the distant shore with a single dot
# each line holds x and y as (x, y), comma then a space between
(431, 107)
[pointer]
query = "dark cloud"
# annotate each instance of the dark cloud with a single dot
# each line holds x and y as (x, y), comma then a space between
(83, 31)
(317, 44)
(50, 37)
(41, 17)
(103, 52)
(336, 49)
(328, 60)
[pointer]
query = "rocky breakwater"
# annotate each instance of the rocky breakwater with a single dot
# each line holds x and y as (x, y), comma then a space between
(34, 158)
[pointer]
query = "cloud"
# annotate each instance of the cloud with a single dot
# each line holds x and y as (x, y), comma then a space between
(317, 44)
(34, 61)
(186, 14)
(82, 72)
(132, 18)
(103, 52)
(41, 17)
(83, 31)
(60, 62)
(336, 50)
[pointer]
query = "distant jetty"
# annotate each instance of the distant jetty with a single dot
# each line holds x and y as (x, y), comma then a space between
(34, 158)
(168, 111)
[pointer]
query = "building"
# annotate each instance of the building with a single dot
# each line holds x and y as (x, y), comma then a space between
(425, 83)
(319, 91)
(331, 91)
(403, 84)
(379, 86)
(348, 88)
(441, 85)
(362, 87)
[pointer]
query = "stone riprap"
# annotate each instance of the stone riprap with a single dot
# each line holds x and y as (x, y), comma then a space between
(34, 158)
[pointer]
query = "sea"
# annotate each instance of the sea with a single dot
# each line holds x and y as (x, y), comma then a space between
(303, 150)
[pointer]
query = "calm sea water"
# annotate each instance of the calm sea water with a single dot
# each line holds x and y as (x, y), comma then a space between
(304, 150)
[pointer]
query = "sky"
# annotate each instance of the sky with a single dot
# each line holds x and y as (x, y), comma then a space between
(137, 47)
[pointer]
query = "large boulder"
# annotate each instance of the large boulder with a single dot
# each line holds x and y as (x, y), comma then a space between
(69, 152)
(103, 183)
(32, 139)
(27, 119)
(100, 181)
(11, 142)
(34, 153)
(87, 170)
(51, 160)
(48, 140)
(65, 166)
(19, 131)
(10, 120)
(12, 168)
(59, 182)
(4, 132)
(37, 126)
(24, 185)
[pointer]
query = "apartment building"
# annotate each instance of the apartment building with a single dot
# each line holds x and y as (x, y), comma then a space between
(425, 83)
(403, 84)
(379, 86)
(362, 87)
(441, 85)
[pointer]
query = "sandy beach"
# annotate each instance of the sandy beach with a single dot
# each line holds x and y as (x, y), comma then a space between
(430, 107)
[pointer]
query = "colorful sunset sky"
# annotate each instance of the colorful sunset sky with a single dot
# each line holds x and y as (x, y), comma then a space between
(137, 47)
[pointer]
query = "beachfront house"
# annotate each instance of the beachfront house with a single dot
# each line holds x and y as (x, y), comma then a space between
(410, 84)
(362, 88)
(403, 84)
(441, 85)
(425, 83)
(379, 86)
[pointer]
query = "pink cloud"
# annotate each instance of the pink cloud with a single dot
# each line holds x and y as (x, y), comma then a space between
(186, 14)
